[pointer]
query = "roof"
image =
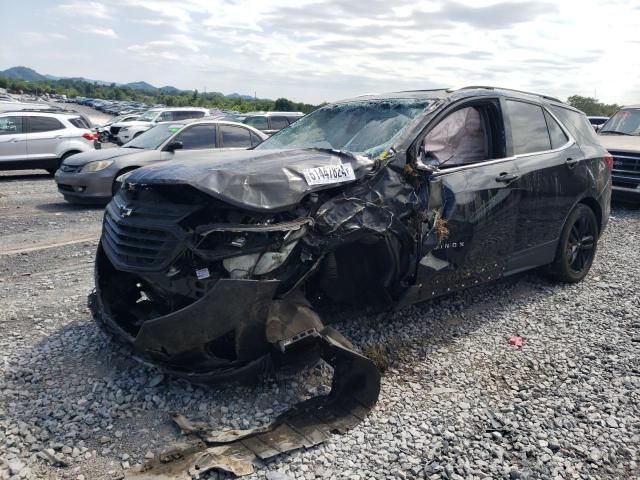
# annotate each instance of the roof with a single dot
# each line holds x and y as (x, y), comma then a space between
(631, 106)
(39, 112)
(441, 93)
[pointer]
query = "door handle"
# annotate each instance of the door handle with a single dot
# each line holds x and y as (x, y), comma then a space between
(505, 177)
(571, 162)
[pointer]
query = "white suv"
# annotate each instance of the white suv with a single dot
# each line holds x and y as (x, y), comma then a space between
(42, 139)
(130, 130)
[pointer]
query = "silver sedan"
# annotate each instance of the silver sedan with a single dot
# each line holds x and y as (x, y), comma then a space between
(91, 177)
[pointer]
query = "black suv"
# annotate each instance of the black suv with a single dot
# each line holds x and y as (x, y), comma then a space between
(211, 268)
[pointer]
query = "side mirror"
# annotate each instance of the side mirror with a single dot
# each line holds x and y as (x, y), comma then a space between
(420, 164)
(173, 146)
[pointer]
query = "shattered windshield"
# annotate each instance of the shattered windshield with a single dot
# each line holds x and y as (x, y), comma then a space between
(154, 137)
(148, 116)
(367, 127)
(624, 122)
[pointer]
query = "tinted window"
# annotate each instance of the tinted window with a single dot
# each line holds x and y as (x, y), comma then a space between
(235, 137)
(528, 128)
(10, 125)
(78, 123)
(577, 124)
(43, 124)
(198, 136)
(165, 117)
(183, 115)
(558, 137)
(257, 122)
(278, 123)
(255, 140)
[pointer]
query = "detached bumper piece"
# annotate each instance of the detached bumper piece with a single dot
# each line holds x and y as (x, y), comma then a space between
(354, 391)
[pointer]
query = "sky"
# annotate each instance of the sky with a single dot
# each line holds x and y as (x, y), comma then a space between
(315, 51)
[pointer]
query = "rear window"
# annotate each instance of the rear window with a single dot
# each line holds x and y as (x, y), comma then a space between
(235, 137)
(183, 115)
(78, 122)
(43, 124)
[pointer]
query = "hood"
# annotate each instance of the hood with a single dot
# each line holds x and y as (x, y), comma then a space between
(262, 180)
(620, 143)
(102, 154)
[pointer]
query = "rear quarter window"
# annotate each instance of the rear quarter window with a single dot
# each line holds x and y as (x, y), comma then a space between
(78, 123)
(577, 124)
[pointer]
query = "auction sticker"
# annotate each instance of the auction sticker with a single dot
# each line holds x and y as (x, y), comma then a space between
(342, 172)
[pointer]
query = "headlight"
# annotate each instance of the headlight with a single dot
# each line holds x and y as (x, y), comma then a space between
(257, 263)
(124, 129)
(96, 166)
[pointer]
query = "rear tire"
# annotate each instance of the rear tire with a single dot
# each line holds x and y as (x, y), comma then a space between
(53, 171)
(577, 247)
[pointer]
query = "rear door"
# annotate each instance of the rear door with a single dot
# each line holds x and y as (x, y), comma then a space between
(552, 179)
(13, 140)
(43, 136)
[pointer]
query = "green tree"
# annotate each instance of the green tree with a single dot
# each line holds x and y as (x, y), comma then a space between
(591, 106)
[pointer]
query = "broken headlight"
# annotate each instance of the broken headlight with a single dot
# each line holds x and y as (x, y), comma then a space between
(245, 266)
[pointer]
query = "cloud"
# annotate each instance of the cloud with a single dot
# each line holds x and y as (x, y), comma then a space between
(85, 9)
(497, 16)
(91, 29)
(32, 38)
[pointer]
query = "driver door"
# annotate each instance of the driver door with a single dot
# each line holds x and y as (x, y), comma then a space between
(474, 198)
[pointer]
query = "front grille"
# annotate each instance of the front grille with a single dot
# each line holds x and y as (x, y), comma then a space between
(143, 236)
(70, 168)
(114, 130)
(65, 188)
(626, 169)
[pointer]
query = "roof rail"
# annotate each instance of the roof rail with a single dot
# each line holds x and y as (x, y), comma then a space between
(553, 99)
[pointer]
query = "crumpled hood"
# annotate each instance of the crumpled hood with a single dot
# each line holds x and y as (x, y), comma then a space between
(620, 143)
(102, 154)
(255, 179)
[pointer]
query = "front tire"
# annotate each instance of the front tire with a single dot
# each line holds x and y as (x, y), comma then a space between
(577, 247)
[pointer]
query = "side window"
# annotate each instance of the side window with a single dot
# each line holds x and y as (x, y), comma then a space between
(278, 123)
(460, 138)
(78, 123)
(528, 128)
(197, 137)
(255, 140)
(235, 137)
(257, 122)
(43, 124)
(558, 137)
(165, 117)
(184, 115)
(10, 125)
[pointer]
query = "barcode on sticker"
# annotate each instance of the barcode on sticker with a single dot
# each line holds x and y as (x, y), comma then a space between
(203, 273)
(342, 172)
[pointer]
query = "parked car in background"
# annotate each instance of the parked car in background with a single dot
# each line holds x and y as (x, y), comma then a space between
(125, 132)
(597, 122)
(267, 122)
(104, 132)
(621, 136)
(92, 177)
(384, 199)
(42, 139)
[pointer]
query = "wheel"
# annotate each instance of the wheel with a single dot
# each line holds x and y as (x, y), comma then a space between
(104, 137)
(52, 171)
(577, 247)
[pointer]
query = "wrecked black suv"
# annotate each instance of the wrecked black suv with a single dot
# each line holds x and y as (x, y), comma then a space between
(216, 265)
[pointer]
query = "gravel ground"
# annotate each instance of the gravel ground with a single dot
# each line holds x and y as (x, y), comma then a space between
(457, 400)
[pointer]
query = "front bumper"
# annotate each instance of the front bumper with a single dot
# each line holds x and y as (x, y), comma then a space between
(184, 341)
(91, 187)
(625, 193)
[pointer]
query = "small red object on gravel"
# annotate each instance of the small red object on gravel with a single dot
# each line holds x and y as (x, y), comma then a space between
(516, 341)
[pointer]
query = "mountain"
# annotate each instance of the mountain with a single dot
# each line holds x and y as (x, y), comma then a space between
(140, 86)
(23, 73)
(26, 73)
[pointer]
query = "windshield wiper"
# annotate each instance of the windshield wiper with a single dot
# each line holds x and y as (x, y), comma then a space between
(617, 132)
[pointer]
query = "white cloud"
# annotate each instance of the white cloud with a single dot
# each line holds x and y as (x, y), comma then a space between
(85, 9)
(105, 32)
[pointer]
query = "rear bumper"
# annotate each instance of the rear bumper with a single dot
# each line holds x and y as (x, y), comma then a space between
(94, 187)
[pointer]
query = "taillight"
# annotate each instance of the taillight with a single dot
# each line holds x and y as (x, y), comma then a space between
(608, 159)
(90, 136)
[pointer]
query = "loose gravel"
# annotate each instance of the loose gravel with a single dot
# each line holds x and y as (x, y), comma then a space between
(457, 400)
